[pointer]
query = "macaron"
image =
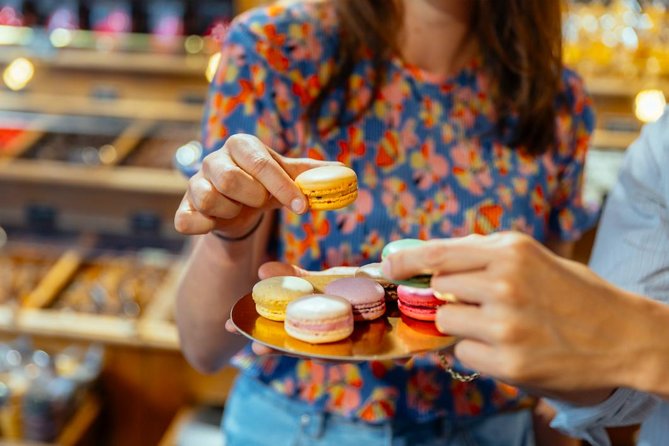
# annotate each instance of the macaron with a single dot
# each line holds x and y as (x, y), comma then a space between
(272, 295)
(319, 319)
(418, 303)
(420, 281)
(328, 187)
(366, 296)
(373, 271)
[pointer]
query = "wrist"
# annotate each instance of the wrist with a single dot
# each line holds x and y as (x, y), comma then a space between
(242, 234)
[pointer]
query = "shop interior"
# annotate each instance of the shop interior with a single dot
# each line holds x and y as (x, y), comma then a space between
(100, 101)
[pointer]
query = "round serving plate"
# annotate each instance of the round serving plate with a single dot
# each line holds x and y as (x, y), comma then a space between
(393, 336)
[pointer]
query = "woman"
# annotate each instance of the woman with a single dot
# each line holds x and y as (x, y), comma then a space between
(458, 118)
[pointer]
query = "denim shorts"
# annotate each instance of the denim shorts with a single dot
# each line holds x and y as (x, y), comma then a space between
(256, 415)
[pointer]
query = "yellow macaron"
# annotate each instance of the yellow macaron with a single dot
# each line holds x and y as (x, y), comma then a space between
(328, 187)
(272, 295)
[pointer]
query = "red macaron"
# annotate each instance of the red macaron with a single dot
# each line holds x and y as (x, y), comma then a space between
(418, 303)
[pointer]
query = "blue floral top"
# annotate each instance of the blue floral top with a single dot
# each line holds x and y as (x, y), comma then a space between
(430, 163)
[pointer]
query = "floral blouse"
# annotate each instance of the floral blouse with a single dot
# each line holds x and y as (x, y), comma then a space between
(431, 164)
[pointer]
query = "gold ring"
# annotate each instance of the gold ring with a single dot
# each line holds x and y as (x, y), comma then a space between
(446, 297)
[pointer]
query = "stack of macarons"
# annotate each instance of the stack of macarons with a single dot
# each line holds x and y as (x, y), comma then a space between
(319, 318)
(415, 297)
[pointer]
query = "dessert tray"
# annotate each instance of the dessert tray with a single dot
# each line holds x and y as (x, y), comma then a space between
(393, 336)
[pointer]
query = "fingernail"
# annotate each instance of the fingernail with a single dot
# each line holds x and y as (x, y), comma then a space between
(297, 205)
(387, 268)
(438, 320)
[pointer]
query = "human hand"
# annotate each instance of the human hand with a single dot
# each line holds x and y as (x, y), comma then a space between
(239, 182)
(532, 319)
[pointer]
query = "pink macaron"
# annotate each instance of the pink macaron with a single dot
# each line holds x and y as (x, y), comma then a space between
(365, 295)
(319, 318)
(418, 303)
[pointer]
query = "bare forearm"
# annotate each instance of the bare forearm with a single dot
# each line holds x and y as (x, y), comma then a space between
(217, 274)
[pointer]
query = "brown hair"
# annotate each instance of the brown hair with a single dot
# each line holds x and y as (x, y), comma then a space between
(521, 46)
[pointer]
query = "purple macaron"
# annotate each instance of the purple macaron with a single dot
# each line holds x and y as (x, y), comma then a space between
(367, 297)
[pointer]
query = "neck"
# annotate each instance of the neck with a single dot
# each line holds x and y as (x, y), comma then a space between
(436, 35)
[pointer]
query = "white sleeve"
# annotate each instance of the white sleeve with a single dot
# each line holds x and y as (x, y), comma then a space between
(632, 245)
(632, 252)
(622, 408)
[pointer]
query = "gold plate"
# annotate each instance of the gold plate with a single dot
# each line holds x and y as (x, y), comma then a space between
(393, 336)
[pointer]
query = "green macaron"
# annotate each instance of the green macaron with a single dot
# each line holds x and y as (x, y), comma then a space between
(420, 281)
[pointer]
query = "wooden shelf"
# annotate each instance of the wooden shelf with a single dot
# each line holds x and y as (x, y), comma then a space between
(617, 86)
(122, 179)
(135, 109)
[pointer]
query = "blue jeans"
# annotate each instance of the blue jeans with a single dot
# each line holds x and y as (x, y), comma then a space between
(256, 415)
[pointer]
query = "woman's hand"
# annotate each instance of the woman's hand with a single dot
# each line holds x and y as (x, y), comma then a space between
(237, 183)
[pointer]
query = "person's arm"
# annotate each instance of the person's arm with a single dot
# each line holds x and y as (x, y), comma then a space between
(216, 275)
(631, 252)
(241, 180)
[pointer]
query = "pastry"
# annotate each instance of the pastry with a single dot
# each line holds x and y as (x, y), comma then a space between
(365, 295)
(319, 319)
(373, 271)
(418, 303)
(420, 281)
(272, 295)
(328, 187)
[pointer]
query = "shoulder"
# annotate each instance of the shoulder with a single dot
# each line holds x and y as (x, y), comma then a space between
(288, 33)
(573, 96)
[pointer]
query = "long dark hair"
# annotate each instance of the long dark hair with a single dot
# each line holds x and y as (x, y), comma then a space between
(521, 45)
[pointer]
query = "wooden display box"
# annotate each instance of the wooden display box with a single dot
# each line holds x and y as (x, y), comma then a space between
(36, 315)
(77, 429)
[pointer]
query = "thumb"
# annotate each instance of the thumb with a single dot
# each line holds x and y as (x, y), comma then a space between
(295, 166)
(273, 269)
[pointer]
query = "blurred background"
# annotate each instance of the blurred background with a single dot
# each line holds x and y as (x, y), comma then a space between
(99, 101)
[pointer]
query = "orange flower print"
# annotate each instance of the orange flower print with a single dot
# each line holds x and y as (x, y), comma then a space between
(344, 388)
(503, 162)
(353, 147)
(311, 380)
(380, 405)
(373, 245)
(348, 221)
(539, 204)
(485, 218)
(389, 152)
(467, 399)
(399, 203)
(340, 255)
(429, 167)
(471, 171)
(423, 390)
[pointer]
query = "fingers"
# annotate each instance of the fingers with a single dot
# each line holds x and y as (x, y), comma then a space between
(477, 356)
(273, 269)
(230, 327)
(473, 288)
(465, 321)
(204, 197)
(261, 350)
(189, 220)
(231, 181)
(447, 256)
(295, 166)
(252, 156)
